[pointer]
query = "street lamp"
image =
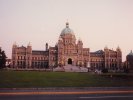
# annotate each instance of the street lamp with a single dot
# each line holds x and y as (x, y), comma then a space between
(0, 56)
(0, 60)
(88, 66)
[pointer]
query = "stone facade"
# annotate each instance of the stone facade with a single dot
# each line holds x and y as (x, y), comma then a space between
(66, 51)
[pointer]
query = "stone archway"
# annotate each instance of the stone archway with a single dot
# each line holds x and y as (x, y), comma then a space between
(69, 61)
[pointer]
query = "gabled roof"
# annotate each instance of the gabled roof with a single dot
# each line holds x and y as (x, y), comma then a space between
(98, 52)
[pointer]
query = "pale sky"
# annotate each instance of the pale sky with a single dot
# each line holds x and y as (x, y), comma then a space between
(98, 23)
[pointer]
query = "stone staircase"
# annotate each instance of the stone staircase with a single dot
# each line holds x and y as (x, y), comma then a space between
(71, 68)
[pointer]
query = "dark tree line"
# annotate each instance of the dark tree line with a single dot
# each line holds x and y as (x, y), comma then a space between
(2, 59)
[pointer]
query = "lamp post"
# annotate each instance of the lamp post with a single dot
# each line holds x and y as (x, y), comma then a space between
(0, 60)
(88, 66)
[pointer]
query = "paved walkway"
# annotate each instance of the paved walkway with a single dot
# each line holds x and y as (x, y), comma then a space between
(64, 90)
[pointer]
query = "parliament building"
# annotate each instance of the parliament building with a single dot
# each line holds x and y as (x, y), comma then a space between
(68, 50)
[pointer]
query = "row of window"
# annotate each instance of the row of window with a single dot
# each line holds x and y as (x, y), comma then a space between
(97, 60)
(112, 55)
(40, 64)
(107, 60)
(40, 58)
(37, 64)
(22, 57)
(21, 63)
(112, 65)
(97, 64)
(52, 58)
(68, 41)
(33, 58)
(70, 51)
(111, 60)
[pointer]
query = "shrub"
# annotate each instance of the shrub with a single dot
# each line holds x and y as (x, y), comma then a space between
(105, 70)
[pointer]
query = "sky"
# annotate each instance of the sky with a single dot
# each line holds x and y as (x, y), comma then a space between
(98, 23)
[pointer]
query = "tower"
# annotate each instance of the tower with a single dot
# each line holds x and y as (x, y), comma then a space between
(119, 57)
(106, 57)
(14, 55)
(60, 51)
(80, 44)
(80, 52)
(46, 46)
(29, 55)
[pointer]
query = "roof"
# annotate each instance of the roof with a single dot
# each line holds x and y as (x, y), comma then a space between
(98, 52)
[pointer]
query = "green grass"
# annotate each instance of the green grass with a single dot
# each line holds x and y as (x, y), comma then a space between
(35, 79)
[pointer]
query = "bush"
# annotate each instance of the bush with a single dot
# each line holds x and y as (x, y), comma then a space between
(126, 70)
(105, 70)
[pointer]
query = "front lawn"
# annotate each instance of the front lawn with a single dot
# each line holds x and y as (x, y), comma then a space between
(36, 79)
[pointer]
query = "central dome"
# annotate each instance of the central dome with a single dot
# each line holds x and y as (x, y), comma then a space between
(67, 30)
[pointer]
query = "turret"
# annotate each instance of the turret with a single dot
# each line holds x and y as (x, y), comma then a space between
(80, 43)
(119, 57)
(14, 45)
(60, 39)
(14, 55)
(105, 48)
(118, 49)
(29, 48)
(46, 46)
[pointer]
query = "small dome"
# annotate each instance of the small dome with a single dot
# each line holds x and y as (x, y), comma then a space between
(79, 39)
(105, 47)
(131, 53)
(118, 48)
(14, 45)
(60, 39)
(67, 30)
(29, 44)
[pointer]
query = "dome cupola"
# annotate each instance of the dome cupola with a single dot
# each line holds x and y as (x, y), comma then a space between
(67, 30)
(131, 53)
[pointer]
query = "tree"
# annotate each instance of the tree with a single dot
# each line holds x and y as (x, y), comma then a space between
(2, 59)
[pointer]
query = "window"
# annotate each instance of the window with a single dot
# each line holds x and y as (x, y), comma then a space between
(32, 63)
(38, 63)
(18, 63)
(35, 63)
(24, 57)
(21, 63)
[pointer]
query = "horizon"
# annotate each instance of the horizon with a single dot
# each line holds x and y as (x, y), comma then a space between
(98, 23)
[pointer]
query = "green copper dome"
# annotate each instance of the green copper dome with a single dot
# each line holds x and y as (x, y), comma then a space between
(67, 30)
